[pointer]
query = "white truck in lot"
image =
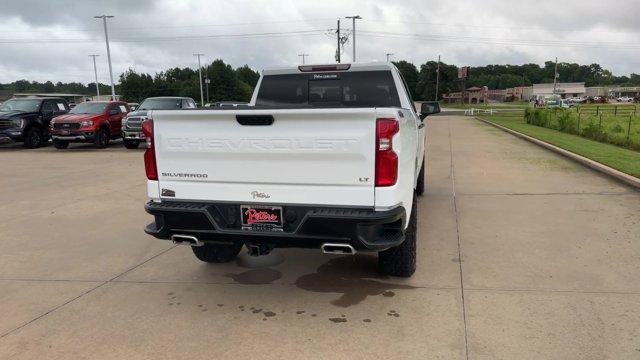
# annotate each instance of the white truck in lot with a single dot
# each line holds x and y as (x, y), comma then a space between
(324, 156)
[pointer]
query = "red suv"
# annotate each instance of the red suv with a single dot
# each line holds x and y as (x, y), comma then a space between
(90, 122)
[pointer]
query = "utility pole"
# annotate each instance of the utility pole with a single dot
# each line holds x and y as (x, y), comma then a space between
(303, 56)
(555, 77)
(353, 33)
(200, 77)
(338, 52)
(437, 78)
(95, 72)
(389, 55)
(106, 39)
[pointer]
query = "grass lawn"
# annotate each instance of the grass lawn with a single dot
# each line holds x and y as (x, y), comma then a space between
(627, 161)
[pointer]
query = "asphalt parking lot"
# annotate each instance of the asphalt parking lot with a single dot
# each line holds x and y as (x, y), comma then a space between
(522, 254)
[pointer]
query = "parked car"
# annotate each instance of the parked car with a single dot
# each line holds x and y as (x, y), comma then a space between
(229, 104)
(576, 100)
(598, 100)
(326, 156)
(557, 102)
(625, 99)
(94, 122)
(225, 104)
(27, 120)
(132, 125)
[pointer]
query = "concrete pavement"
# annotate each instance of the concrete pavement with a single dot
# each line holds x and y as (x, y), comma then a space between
(522, 254)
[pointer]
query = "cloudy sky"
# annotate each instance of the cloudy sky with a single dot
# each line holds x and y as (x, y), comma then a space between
(50, 40)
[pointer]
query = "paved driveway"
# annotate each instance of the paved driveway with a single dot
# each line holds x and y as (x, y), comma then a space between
(522, 254)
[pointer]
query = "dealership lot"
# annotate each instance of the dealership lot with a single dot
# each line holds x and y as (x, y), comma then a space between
(522, 254)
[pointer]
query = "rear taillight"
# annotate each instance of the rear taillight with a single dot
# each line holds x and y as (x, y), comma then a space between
(150, 154)
(386, 158)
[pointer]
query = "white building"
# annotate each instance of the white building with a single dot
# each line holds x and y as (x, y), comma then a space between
(565, 90)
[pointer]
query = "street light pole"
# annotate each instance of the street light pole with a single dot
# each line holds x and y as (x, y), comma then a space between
(353, 33)
(303, 56)
(388, 56)
(200, 77)
(95, 72)
(106, 39)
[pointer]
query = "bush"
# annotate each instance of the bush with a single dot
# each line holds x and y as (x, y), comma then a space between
(603, 128)
(566, 123)
(594, 131)
(617, 129)
(537, 117)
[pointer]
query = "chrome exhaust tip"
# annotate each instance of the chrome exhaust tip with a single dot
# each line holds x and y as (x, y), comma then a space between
(340, 249)
(186, 240)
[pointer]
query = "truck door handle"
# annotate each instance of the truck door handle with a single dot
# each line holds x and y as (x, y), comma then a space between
(421, 126)
(255, 120)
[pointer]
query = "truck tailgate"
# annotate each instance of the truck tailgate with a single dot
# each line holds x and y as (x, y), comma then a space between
(306, 156)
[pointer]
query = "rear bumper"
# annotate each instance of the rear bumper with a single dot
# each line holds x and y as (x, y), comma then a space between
(304, 226)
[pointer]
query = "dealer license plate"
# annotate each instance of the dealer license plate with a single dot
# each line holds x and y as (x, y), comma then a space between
(260, 217)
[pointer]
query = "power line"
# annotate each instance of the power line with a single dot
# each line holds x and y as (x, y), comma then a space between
(226, 25)
(167, 38)
(431, 37)
(499, 41)
(88, 29)
(490, 27)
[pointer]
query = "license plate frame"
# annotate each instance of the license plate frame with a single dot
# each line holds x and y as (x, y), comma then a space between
(261, 217)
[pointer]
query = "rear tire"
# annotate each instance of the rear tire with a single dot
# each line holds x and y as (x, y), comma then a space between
(401, 260)
(33, 138)
(216, 253)
(60, 144)
(102, 138)
(131, 144)
(420, 185)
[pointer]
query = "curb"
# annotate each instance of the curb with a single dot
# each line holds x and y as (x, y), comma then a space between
(616, 174)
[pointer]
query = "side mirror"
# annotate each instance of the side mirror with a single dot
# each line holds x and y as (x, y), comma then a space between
(429, 108)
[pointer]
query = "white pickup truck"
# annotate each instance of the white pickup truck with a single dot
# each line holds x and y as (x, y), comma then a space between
(324, 156)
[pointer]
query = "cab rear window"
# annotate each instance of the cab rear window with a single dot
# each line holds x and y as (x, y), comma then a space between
(341, 89)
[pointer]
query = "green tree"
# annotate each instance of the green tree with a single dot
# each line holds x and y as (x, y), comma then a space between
(135, 87)
(426, 86)
(248, 75)
(224, 81)
(410, 74)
